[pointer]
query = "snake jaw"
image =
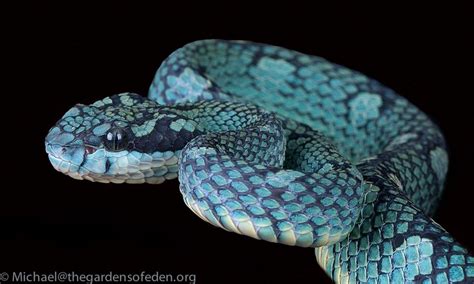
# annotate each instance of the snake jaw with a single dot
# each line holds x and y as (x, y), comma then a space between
(99, 165)
(116, 167)
(67, 160)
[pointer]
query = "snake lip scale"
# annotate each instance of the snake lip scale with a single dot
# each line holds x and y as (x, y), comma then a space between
(284, 147)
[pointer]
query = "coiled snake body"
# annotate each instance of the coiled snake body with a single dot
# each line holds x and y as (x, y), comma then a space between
(283, 147)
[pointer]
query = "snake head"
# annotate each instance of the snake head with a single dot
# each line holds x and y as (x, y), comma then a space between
(121, 138)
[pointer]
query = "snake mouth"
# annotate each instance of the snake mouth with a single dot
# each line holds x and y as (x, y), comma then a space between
(65, 167)
(70, 168)
(66, 159)
(89, 163)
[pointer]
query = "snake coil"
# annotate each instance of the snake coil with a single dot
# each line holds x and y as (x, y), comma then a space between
(283, 147)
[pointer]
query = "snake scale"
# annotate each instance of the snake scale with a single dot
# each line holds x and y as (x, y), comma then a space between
(284, 147)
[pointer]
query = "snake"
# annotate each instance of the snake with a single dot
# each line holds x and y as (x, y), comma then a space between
(283, 147)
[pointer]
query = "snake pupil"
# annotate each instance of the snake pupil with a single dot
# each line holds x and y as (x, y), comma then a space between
(115, 140)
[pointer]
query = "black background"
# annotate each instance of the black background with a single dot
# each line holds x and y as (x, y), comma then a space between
(62, 55)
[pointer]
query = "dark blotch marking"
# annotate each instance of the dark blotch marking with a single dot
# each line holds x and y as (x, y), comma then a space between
(107, 165)
(162, 138)
(397, 241)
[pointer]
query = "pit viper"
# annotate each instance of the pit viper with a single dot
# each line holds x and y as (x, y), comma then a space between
(283, 147)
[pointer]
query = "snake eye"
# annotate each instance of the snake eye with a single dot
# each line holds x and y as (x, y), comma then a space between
(116, 140)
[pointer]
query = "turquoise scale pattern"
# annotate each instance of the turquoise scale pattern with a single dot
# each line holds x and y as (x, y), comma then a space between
(394, 242)
(245, 190)
(283, 147)
(399, 151)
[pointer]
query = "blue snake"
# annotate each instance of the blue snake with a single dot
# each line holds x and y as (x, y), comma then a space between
(283, 147)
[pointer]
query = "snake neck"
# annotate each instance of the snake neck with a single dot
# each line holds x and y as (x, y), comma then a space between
(218, 116)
